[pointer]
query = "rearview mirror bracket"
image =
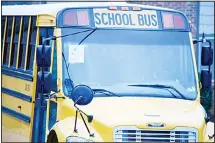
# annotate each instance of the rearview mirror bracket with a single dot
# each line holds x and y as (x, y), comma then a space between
(89, 117)
(204, 40)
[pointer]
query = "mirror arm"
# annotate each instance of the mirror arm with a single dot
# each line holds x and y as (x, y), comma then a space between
(89, 117)
(53, 95)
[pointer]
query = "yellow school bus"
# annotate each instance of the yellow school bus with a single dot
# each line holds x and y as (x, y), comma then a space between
(101, 72)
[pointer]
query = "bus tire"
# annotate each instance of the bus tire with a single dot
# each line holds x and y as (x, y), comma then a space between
(52, 137)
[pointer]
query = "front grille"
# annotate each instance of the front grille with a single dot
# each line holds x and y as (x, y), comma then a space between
(133, 134)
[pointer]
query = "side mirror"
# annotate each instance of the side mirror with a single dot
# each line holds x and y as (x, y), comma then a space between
(206, 79)
(206, 56)
(47, 82)
(82, 95)
(47, 56)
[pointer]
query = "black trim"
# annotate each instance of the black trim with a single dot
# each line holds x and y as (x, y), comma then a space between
(16, 94)
(26, 75)
(16, 114)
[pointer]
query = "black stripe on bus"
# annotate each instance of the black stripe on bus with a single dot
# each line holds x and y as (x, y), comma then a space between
(18, 73)
(16, 114)
(16, 94)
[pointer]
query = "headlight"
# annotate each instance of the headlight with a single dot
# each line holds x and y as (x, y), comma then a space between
(77, 139)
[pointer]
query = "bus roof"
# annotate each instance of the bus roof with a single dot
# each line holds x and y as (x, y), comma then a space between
(54, 8)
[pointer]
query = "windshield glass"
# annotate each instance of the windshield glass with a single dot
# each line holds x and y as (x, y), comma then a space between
(109, 58)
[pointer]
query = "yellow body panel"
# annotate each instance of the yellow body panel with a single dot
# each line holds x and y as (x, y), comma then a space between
(14, 130)
(132, 113)
(45, 20)
(13, 103)
(17, 84)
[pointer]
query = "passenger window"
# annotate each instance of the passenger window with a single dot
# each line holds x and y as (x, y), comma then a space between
(32, 44)
(22, 50)
(15, 41)
(7, 42)
(2, 28)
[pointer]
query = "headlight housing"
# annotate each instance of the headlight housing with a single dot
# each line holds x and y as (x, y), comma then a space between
(76, 139)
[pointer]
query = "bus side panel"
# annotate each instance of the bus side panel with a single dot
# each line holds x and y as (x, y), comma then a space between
(16, 84)
(16, 108)
(14, 130)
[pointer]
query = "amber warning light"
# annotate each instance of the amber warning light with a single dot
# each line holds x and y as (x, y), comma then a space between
(173, 21)
(76, 18)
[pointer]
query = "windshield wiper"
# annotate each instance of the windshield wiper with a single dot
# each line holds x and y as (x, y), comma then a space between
(162, 87)
(64, 59)
(87, 36)
(106, 92)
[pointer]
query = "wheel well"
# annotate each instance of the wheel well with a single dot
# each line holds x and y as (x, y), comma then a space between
(52, 137)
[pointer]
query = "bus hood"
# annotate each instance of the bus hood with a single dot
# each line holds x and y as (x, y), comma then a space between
(115, 111)
(111, 112)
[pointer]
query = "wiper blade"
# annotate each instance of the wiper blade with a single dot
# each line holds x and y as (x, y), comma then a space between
(87, 36)
(161, 86)
(106, 92)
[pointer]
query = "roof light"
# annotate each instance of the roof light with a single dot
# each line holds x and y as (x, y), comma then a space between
(124, 8)
(76, 18)
(136, 8)
(112, 8)
(70, 18)
(83, 18)
(167, 20)
(178, 21)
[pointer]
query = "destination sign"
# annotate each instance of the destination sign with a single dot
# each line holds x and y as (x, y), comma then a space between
(146, 19)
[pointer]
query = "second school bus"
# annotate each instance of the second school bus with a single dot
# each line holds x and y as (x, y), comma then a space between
(116, 72)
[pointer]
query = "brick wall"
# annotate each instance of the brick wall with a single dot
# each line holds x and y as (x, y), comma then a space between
(188, 8)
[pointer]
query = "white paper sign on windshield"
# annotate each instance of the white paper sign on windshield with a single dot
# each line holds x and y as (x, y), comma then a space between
(76, 54)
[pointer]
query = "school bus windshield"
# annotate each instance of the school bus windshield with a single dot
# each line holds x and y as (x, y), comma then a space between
(108, 58)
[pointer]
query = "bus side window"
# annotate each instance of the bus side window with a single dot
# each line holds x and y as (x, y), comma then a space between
(15, 41)
(7, 42)
(32, 44)
(54, 69)
(2, 28)
(22, 50)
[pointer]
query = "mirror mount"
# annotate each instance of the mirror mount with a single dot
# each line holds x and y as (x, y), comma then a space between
(89, 117)
(206, 60)
(53, 95)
